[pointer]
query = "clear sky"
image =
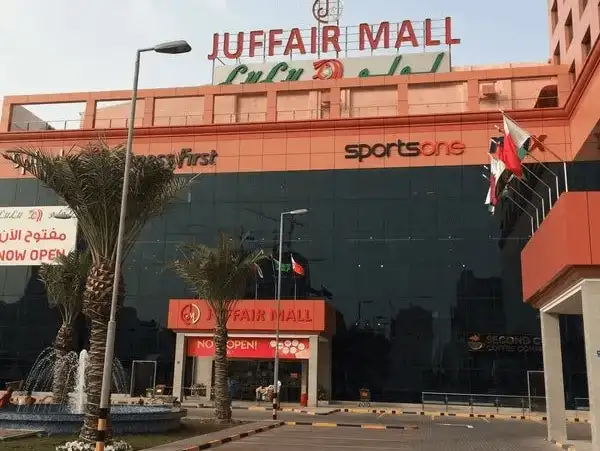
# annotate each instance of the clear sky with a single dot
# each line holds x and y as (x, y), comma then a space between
(82, 45)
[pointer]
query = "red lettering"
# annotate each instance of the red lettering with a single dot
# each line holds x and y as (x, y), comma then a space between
(295, 42)
(274, 41)
(428, 148)
(236, 314)
(314, 32)
(429, 34)
(215, 50)
(11, 255)
(239, 49)
(331, 35)
(457, 147)
(449, 39)
(255, 43)
(366, 34)
(260, 315)
(245, 315)
(291, 316)
(406, 34)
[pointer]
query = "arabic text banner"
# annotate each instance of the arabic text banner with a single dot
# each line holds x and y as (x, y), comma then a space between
(30, 236)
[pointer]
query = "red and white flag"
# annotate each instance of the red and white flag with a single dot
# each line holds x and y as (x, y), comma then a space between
(297, 267)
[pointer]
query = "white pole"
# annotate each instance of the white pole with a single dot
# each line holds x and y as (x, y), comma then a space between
(278, 303)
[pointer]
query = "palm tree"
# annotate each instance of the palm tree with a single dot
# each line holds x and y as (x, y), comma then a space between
(65, 284)
(220, 276)
(90, 182)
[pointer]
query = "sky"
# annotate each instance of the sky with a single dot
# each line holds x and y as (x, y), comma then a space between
(50, 46)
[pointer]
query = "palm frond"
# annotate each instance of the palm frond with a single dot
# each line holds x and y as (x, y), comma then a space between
(220, 274)
(90, 181)
(65, 282)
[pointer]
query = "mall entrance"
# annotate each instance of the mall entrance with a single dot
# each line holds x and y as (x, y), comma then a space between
(304, 351)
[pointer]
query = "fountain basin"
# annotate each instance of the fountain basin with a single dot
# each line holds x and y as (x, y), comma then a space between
(55, 419)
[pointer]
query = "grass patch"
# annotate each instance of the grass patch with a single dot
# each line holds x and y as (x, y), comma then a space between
(188, 429)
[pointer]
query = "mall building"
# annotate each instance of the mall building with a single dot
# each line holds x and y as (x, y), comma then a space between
(408, 283)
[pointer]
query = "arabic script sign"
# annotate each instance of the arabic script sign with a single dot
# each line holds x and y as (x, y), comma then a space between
(30, 236)
(329, 69)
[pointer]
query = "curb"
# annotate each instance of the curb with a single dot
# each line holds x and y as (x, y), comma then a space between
(563, 445)
(20, 435)
(350, 425)
(461, 415)
(264, 409)
(232, 438)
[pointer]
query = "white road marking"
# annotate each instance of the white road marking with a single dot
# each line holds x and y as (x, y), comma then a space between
(486, 420)
(381, 414)
(468, 426)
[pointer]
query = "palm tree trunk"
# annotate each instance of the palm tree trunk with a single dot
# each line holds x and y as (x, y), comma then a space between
(63, 344)
(222, 405)
(96, 306)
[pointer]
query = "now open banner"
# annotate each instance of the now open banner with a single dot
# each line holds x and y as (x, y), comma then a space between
(251, 348)
(30, 236)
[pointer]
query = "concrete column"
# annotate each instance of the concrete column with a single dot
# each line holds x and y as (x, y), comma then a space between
(203, 374)
(590, 300)
(179, 370)
(313, 371)
(324, 369)
(304, 377)
(553, 377)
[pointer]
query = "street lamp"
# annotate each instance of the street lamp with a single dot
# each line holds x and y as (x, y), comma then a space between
(172, 48)
(278, 299)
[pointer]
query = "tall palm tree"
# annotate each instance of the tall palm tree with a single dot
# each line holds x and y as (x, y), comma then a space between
(65, 284)
(220, 276)
(90, 182)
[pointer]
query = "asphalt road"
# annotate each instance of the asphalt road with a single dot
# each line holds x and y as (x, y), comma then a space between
(433, 433)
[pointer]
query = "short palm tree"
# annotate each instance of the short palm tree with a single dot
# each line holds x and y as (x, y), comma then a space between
(90, 182)
(220, 276)
(65, 283)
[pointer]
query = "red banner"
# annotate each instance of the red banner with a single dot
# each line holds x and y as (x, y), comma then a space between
(251, 348)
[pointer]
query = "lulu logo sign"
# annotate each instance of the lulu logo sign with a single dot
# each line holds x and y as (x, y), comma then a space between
(252, 348)
(331, 69)
(190, 314)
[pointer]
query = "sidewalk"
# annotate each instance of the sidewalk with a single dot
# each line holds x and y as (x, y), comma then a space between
(216, 438)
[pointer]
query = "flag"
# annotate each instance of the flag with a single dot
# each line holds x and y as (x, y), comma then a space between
(505, 152)
(516, 137)
(297, 267)
(498, 178)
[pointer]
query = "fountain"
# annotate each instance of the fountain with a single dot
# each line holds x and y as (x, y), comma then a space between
(68, 418)
(77, 397)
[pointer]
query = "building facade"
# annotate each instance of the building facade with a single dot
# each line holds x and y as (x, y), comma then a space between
(397, 240)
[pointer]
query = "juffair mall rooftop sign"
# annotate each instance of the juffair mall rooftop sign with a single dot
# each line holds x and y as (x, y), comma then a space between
(328, 36)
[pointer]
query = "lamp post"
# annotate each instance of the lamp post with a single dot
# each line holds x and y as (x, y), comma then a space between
(278, 300)
(171, 48)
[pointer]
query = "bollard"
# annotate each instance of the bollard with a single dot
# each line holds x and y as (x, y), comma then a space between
(101, 432)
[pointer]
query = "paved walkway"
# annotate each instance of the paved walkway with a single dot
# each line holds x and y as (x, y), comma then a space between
(14, 434)
(438, 437)
(213, 436)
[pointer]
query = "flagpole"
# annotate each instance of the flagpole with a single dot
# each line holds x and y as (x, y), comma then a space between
(520, 208)
(551, 172)
(524, 211)
(536, 193)
(543, 183)
(537, 213)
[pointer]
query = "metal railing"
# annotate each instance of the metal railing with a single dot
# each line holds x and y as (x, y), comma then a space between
(524, 404)
(390, 110)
